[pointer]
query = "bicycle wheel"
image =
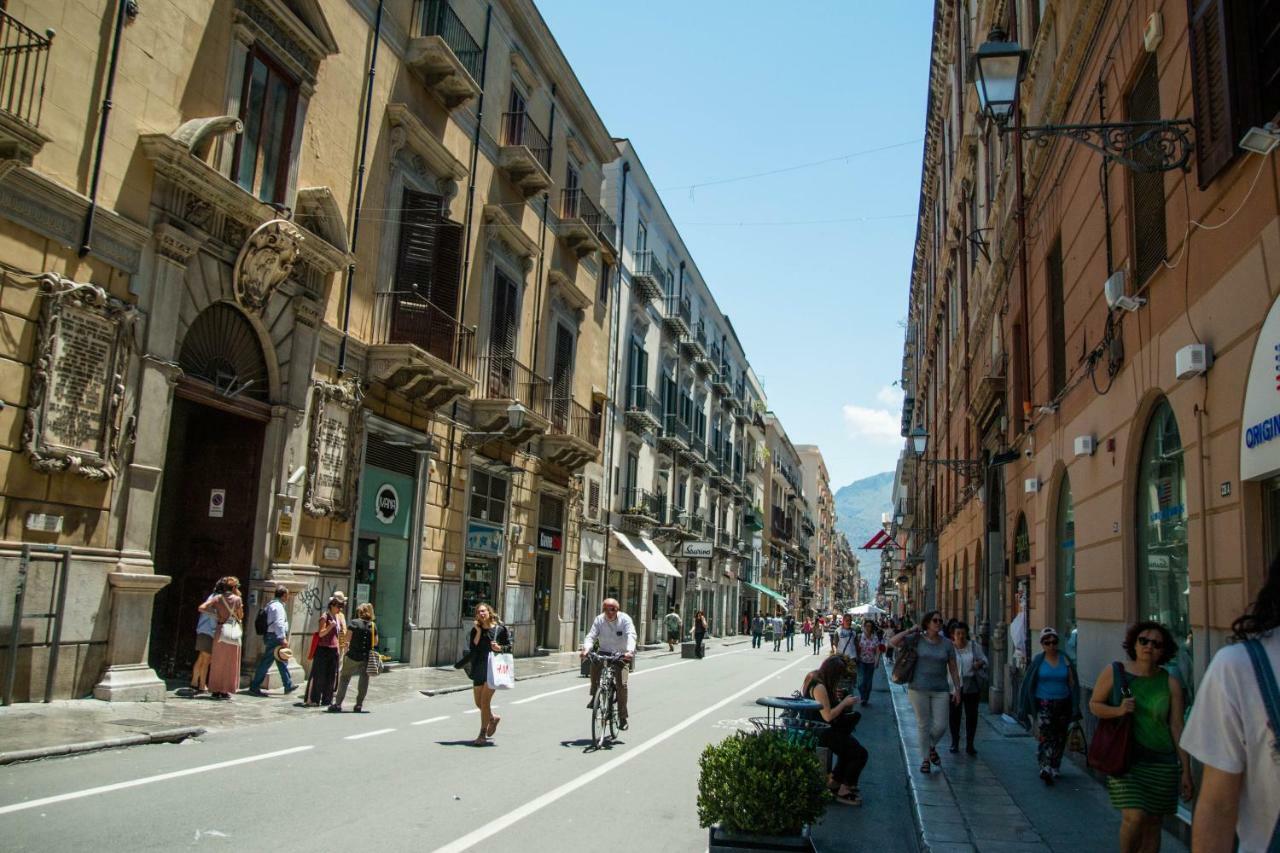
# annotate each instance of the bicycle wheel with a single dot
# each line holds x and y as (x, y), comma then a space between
(600, 714)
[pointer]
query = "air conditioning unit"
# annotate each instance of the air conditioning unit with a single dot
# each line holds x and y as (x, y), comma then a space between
(1192, 360)
(1085, 445)
(1116, 297)
(1031, 486)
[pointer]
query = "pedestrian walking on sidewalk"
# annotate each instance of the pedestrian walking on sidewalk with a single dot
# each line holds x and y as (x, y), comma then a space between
(757, 631)
(1228, 733)
(822, 686)
(869, 650)
(699, 632)
(1159, 770)
(277, 636)
(671, 623)
(488, 635)
(324, 666)
(971, 663)
(807, 630)
(819, 629)
(224, 663)
(775, 629)
(360, 641)
(789, 626)
(928, 689)
(847, 638)
(206, 627)
(1052, 688)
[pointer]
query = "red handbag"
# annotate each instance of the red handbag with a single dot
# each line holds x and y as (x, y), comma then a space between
(1111, 750)
(315, 644)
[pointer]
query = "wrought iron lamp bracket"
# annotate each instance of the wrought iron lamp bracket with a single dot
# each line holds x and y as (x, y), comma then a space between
(970, 469)
(1143, 146)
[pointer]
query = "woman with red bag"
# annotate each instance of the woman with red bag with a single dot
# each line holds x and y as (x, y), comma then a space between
(324, 667)
(1158, 769)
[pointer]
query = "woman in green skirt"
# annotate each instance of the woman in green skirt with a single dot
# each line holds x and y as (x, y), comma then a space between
(1159, 770)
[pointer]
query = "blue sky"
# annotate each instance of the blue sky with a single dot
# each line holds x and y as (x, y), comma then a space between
(811, 264)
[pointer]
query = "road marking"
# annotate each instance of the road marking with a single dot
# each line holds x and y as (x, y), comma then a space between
(496, 825)
(368, 734)
(133, 783)
(633, 675)
(430, 720)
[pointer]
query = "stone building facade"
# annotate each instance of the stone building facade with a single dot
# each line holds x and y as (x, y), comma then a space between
(1108, 479)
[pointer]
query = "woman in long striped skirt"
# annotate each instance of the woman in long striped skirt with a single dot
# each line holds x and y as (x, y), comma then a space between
(1159, 770)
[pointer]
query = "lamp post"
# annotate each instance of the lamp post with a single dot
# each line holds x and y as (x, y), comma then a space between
(967, 468)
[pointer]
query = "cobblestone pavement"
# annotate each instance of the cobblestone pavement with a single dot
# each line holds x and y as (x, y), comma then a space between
(996, 803)
(38, 730)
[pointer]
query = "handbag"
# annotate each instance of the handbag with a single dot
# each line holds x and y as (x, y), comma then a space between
(1075, 738)
(502, 671)
(904, 662)
(232, 631)
(315, 644)
(373, 663)
(1111, 750)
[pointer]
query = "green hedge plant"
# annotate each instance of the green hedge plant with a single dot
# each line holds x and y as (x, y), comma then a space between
(770, 783)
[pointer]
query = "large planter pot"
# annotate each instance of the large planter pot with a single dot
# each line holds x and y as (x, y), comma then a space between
(725, 841)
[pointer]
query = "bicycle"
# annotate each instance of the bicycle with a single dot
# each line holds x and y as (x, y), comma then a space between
(604, 709)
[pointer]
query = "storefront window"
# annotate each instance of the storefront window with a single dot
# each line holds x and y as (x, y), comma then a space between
(632, 605)
(613, 589)
(1065, 580)
(1163, 581)
(477, 585)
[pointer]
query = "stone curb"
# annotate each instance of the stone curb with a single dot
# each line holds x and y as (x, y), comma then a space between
(901, 710)
(161, 736)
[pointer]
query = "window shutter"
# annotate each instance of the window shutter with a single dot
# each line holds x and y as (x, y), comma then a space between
(419, 215)
(445, 276)
(593, 499)
(1211, 73)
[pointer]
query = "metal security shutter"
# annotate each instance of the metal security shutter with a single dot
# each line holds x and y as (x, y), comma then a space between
(399, 460)
(1147, 188)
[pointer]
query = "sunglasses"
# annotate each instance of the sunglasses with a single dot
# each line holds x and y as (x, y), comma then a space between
(936, 620)
(1147, 641)
(1050, 641)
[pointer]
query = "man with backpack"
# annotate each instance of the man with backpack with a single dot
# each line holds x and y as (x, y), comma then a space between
(272, 624)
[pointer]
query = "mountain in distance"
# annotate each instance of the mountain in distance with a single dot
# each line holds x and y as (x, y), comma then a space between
(859, 507)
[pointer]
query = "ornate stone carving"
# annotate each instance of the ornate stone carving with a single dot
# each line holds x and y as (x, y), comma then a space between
(265, 262)
(198, 133)
(175, 244)
(331, 454)
(77, 379)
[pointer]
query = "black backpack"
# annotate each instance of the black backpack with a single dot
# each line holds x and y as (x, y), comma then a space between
(260, 622)
(361, 639)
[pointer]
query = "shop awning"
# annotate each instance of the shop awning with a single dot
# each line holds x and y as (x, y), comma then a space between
(776, 596)
(643, 549)
(877, 542)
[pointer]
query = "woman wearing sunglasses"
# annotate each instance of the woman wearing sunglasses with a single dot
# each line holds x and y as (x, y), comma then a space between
(1051, 690)
(930, 688)
(1159, 770)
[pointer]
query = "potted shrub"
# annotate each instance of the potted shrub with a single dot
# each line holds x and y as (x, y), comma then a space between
(760, 791)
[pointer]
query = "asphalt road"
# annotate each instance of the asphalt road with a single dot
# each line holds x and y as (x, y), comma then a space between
(405, 776)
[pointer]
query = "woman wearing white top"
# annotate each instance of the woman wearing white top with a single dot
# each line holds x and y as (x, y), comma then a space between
(972, 664)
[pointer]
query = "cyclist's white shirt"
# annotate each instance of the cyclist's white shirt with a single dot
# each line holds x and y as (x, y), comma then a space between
(618, 636)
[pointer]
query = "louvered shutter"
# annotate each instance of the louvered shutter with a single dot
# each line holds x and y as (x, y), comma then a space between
(562, 376)
(444, 288)
(1212, 88)
(593, 499)
(415, 260)
(502, 330)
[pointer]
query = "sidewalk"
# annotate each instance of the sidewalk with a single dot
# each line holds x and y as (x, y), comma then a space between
(995, 802)
(36, 730)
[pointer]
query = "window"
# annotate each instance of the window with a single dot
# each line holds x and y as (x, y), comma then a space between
(642, 236)
(632, 604)
(488, 497)
(1065, 571)
(268, 105)
(1146, 189)
(605, 272)
(428, 267)
(1163, 580)
(1056, 320)
(1021, 542)
(478, 584)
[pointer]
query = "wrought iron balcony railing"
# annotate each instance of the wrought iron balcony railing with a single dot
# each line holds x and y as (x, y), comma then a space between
(519, 129)
(569, 417)
(24, 64)
(437, 18)
(642, 503)
(407, 318)
(503, 378)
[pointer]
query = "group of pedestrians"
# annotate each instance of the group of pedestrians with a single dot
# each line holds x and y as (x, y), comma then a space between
(341, 649)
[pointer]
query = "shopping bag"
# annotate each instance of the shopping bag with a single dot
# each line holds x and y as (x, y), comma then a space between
(502, 671)
(1075, 738)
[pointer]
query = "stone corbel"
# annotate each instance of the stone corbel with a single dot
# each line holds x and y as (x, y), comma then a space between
(174, 244)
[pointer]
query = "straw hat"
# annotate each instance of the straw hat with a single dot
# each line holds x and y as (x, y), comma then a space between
(284, 654)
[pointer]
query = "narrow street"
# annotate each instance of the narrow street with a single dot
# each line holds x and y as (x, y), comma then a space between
(405, 775)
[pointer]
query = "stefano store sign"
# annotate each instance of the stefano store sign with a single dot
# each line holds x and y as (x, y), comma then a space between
(1260, 429)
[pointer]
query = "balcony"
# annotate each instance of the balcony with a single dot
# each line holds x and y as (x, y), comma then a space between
(420, 351)
(697, 449)
(24, 63)
(582, 224)
(525, 154)
(697, 525)
(753, 519)
(695, 347)
(674, 437)
(504, 382)
(677, 524)
(642, 507)
(444, 54)
(677, 315)
(988, 393)
(574, 439)
(650, 277)
(644, 413)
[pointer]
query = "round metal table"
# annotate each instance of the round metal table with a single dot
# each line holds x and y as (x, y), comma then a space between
(786, 713)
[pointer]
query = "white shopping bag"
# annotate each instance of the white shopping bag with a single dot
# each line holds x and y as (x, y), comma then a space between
(502, 671)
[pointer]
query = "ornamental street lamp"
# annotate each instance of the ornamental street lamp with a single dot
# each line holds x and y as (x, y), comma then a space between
(998, 67)
(967, 468)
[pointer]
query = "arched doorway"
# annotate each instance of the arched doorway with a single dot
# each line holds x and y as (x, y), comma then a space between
(1064, 587)
(209, 489)
(1163, 582)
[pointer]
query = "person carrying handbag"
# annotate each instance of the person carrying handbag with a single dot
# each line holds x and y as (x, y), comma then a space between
(224, 667)
(1052, 687)
(361, 659)
(488, 635)
(927, 684)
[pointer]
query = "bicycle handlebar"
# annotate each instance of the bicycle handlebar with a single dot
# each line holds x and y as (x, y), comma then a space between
(606, 656)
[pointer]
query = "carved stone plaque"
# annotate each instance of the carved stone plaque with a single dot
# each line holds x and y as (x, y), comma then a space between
(77, 379)
(331, 457)
(266, 260)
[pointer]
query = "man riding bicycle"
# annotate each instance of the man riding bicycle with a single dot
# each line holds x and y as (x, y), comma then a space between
(615, 634)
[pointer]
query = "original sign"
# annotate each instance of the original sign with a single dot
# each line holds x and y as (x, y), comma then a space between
(217, 502)
(549, 540)
(386, 504)
(1260, 427)
(77, 379)
(698, 550)
(331, 455)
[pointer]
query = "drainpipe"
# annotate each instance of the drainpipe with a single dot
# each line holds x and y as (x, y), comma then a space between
(359, 199)
(1206, 600)
(542, 240)
(466, 252)
(612, 379)
(124, 8)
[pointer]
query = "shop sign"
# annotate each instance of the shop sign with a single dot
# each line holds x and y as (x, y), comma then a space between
(592, 547)
(385, 503)
(1260, 428)
(549, 540)
(484, 538)
(698, 550)
(331, 454)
